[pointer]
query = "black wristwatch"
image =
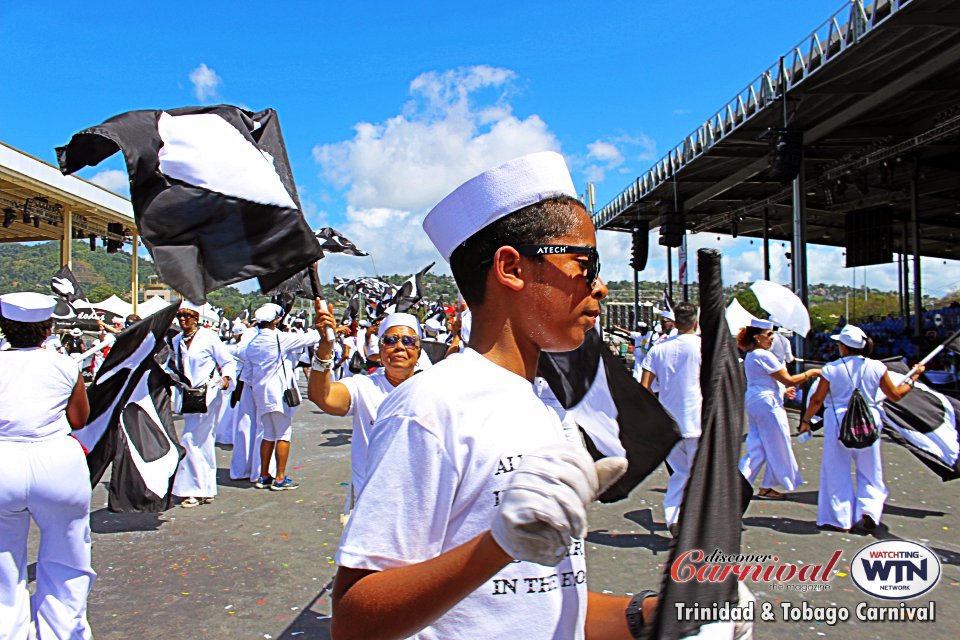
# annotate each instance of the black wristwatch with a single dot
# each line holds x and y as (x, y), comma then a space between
(635, 612)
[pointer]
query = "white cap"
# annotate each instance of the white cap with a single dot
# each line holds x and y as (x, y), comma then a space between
(852, 336)
(26, 306)
(666, 314)
(268, 312)
(76, 332)
(757, 323)
(399, 320)
(432, 326)
(118, 321)
(642, 324)
(189, 306)
(495, 193)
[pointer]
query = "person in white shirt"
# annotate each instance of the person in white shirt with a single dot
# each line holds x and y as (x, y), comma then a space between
(768, 437)
(781, 347)
(271, 378)
(44, 477)
(361, 396)
(471, 520)
(247, 431)
(675, 362)
(668, 327)
(840, 505)
(203, 359)
(643, 340)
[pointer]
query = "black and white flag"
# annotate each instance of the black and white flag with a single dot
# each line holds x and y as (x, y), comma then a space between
(617, 415)
(925, 422)
(411, 291)
(212, 191)
(73, 308)
(131, 424)
(332, 241)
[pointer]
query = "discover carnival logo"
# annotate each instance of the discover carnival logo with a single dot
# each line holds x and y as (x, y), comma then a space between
(895, 569)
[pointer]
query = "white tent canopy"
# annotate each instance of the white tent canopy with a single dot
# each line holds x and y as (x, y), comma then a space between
(151, 306)
(114, 305)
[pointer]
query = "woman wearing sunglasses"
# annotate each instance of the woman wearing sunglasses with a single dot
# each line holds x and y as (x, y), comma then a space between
(768, 440)
(360, 396)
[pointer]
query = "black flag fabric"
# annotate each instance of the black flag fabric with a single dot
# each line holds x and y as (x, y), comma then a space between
(332, 241)
(711, 511)
(73, 308)
(130, 423)
(411, 291)
(614, 411)
(925, 422)
(667, 302)
(212, 191)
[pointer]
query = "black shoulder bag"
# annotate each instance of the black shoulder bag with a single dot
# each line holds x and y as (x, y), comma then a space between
(193, 399)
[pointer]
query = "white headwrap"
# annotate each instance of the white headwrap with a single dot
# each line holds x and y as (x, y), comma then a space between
(399, 320)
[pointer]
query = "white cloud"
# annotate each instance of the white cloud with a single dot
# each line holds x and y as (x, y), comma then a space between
(616, 153)
(456, 124)
(206, 83)
(114, 180)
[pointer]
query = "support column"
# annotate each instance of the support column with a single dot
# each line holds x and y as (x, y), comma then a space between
(906, 276)
(636, 299)
(766, 243)
(670, 273)
(799, 246)
(915, 233)
(66, 242)
(135, 271)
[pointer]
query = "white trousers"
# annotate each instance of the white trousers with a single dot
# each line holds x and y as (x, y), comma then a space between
(680, 460)
(49, 481)
(225, 421)
(197, 473)
(839, 503)
(247, 436)
(768, 443)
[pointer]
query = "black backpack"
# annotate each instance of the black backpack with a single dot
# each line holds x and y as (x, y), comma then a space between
(858, 429)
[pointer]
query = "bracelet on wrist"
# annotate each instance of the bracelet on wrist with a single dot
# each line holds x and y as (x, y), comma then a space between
(321, 365)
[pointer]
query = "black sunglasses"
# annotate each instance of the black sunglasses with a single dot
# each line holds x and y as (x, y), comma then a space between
(408, 341)
(540, 250)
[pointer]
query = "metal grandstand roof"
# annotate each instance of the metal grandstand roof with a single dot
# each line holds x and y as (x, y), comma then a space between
(875, 90)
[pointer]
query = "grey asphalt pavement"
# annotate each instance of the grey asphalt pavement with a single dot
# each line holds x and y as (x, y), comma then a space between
(258, 564)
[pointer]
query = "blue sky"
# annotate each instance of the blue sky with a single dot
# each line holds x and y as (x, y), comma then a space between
(387, 106)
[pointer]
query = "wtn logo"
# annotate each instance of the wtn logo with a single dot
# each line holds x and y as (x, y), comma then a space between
(903, 570)
(895, 569)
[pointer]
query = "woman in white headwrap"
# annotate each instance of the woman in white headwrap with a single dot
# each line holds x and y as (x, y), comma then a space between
(360, 396)
(44, 476)
(768, 440)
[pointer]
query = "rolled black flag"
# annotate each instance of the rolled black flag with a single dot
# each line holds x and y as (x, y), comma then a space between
(711, 512)
(131, 424)
(612, 409)
(212, 192)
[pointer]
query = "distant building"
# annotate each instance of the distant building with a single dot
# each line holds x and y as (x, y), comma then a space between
(154, 287)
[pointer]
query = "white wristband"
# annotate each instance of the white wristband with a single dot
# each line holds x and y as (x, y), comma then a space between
(321, 365)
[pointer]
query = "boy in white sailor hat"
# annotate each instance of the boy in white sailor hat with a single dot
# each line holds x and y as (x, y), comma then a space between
(471, 487)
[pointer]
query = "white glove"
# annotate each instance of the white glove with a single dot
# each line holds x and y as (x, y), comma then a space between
(544, 505)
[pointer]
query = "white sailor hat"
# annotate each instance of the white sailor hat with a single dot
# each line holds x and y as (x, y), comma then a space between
(666, 314)
(26, 306)
(186, 305)
(642, 324)
(495, 193)
(268, 312)
(399, 320)
(852, 336)
(432, 326)
(761, 324)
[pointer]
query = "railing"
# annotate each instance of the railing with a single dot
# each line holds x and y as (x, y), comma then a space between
(847, 26)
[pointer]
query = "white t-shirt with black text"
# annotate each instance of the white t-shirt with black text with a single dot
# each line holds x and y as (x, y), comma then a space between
(443, 449)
